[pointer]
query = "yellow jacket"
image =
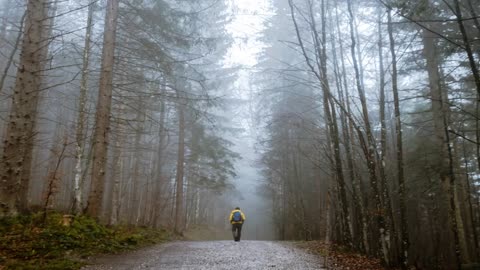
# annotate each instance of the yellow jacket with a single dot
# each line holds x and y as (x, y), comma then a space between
(236, 222)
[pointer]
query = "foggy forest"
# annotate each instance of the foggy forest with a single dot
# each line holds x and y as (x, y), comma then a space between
(350, 122)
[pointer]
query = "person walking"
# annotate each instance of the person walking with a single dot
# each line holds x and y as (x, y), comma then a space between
(237, 217)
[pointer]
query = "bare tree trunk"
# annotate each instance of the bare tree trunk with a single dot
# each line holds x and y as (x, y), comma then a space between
(179, 206)
(390, 222)
(17, 150)
(350, 152)
(102, 116)
(321, 75)
(371, 163)
(80, 129)
(405, 242)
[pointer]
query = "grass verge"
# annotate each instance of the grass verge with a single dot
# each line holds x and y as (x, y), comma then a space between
(30, 242)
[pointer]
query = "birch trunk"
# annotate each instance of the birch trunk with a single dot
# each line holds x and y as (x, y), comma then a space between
(80, 129)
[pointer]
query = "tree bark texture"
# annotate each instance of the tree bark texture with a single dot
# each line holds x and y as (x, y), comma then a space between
(81, 120)
(102, 115)
(18, 144)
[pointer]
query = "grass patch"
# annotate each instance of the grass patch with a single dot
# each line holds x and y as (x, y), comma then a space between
(29, 242)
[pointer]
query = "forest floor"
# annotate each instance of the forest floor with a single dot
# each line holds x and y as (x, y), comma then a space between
(35, 242)
(336, 257)
(212, 255)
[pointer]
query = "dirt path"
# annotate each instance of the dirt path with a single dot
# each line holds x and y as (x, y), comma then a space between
(212, 255)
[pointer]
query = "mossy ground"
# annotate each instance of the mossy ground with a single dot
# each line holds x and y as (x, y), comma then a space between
(30, 242)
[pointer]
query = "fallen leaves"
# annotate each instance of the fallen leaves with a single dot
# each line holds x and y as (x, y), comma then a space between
(335, 257)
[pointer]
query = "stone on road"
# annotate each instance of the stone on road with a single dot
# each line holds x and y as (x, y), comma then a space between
(212, 255)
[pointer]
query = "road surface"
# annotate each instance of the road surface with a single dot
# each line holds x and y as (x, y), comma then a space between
(212, 255)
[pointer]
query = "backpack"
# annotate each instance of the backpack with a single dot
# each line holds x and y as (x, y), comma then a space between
(237, 217)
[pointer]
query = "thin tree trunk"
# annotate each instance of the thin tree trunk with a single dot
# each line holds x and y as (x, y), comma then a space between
(390, 222)
(80, 129)
(159, 165)
(371, 163)
(102, 116)
(137, 179)
(321, 74)
(356, 185)
(179, 220)
(405, 242)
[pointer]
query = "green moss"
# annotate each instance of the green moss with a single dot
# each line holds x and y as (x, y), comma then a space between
(32, 242)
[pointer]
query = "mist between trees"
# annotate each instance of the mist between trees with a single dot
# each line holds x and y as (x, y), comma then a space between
(366, 115)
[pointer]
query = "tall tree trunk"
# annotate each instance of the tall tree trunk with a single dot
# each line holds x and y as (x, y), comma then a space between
(17, 150)
(179, 205)
(80, 128)
(321, 75)
(441, 131)
(390, 222)
(356, 185)
(370, 158)
(405, 242)
(102, 115)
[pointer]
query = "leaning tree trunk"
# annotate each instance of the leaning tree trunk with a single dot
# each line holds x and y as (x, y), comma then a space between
(18, 144)
(102, 116)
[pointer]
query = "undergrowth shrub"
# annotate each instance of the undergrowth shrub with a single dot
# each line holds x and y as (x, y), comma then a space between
(32, 242)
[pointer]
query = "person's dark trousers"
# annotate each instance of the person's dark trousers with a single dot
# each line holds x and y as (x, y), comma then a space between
(237, 231)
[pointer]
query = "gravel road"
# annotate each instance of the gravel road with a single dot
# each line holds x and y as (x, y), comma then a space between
(212, 255)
